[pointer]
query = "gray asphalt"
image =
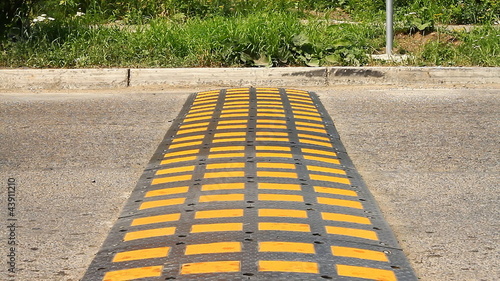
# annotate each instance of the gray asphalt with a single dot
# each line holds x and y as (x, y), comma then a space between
(429, 156)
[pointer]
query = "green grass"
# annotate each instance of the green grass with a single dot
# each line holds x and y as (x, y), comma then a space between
(273, 39)
(228, 33)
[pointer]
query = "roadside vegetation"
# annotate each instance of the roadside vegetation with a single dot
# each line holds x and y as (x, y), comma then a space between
(215, 33)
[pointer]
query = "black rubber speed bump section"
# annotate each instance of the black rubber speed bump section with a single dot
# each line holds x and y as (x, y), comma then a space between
(251, 184)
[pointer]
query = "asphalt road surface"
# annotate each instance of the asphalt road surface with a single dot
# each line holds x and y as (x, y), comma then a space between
(429, 156)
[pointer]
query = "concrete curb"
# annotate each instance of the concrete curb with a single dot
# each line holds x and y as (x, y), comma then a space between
(31, 79)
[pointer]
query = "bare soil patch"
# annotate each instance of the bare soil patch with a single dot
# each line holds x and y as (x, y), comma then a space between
(414, 43)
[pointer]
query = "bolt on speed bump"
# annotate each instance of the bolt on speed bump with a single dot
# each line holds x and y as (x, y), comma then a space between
(251, 184)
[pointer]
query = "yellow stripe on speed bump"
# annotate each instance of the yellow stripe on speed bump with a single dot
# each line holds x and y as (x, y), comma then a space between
(291, 247)
(213, 248)
(167, 191)
(162, 203)
(172, 179)
(183, 152)
(175, 170)
(273, 165)
(148, 233)
(329, 179)
(353, 232)
(212, 214)
(345, 218)
(272, 134)
(289, 266)
(221, 197)
(133, 273)
(272, 147)
(227, 148)
(280, 197)
(277, 174)
(228, 140)
(331, 190)
(322, 159)
(272, 154)
(340, 202)
(156, 219)
(222, 186)
(216, 227)
(230, 165)
(210, 267)
(315, 142)
(281, 226)
(282, 213)
(366, 272)
(279, 186)
(194, 130)
(295, 104)
(309, 124)
(178, 160)
(141, 254)
(230, 134)
(232, 122)
(226, 155)
(250, 183)
(230, 174)
(324, 169)
(359, 253)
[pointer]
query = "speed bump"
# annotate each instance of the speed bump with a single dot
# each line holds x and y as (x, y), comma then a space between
(251, 184)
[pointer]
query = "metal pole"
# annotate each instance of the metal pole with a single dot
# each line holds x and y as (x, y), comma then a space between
(388, 27)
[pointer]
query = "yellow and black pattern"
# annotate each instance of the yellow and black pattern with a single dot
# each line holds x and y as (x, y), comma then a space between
(251, 184)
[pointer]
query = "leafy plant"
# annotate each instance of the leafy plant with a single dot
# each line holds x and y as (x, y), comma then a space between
(304, 51)
(418, 19)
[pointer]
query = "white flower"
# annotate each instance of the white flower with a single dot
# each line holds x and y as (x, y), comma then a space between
(79, 14)
(42, 18)
(39, 19)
